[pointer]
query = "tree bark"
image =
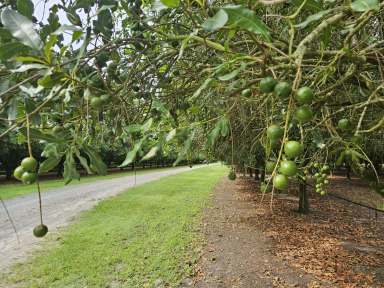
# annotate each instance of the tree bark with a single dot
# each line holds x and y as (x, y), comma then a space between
(303, 198)
(348, 171)
(262, 176)
(8, 173)
(257, 175)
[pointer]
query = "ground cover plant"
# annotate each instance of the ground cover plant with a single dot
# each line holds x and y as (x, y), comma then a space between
(144, 235)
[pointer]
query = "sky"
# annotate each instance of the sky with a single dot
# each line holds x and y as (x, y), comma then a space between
(42, 11)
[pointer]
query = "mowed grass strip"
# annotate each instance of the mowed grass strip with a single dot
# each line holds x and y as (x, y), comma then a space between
(8, 191)
(144, 236)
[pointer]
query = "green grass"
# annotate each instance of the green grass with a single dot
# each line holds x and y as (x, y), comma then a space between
(132, 240)
(8, 191)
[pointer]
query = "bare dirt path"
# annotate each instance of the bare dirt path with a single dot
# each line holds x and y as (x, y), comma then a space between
(60, 206)
(237, 254)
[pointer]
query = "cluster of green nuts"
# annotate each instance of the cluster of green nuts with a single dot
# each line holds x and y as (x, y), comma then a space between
(232, 175)
(26, 172)
(321, 178)
(98, 101)
(292, 149)
(283, 89)
(287, 167)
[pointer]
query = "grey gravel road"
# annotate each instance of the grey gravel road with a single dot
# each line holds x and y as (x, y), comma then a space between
(60, 206)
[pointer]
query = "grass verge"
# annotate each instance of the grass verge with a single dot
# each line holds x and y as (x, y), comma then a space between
(143, 236)
(8, 191)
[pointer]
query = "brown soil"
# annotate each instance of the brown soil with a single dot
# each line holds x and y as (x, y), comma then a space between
(338, 244)
(356, 190)
(237, 253)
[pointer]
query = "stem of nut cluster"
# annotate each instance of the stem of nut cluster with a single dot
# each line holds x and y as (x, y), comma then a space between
(282, 145)
(28, 137)
(230, 127)
(10, 219)
(40, 202)
(295, 85)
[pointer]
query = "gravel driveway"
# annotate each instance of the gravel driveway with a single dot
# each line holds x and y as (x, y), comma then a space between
(60, 206)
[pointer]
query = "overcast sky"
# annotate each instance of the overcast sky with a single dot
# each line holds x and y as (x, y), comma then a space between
(42, 10)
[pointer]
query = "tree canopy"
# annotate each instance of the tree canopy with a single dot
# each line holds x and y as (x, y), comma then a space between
(294, 84)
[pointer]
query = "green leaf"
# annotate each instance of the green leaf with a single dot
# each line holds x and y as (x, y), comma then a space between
(357, 154)
(221, 129)
(51, 150)
(12, 108)
(84, 4)
(104, 23)
(82, 50)
(70, 171)
(224, 127)
(247, 19)
(365, 5)
(76, 35)
(27, 67)
(212, 137)
(31, 90)
(74, 18)
(313, 18)
(216, 22)
(29, 59)
(340, 159)
(64, 28)
(48, 46)
(38, 135)
(133, 128)
(171, 3)
(50, 80)
(48, 164)
(96, 163)
(159, 106)
(185, 150)
(131, 155)
(171, 135)
(184, 44)
(147, 125)
(104, 7)
(152, 153)
(25, 7)
(205, 85)
(355, 158)
(83, 161)
(21, 28)
(11, 49)
(229, 76)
